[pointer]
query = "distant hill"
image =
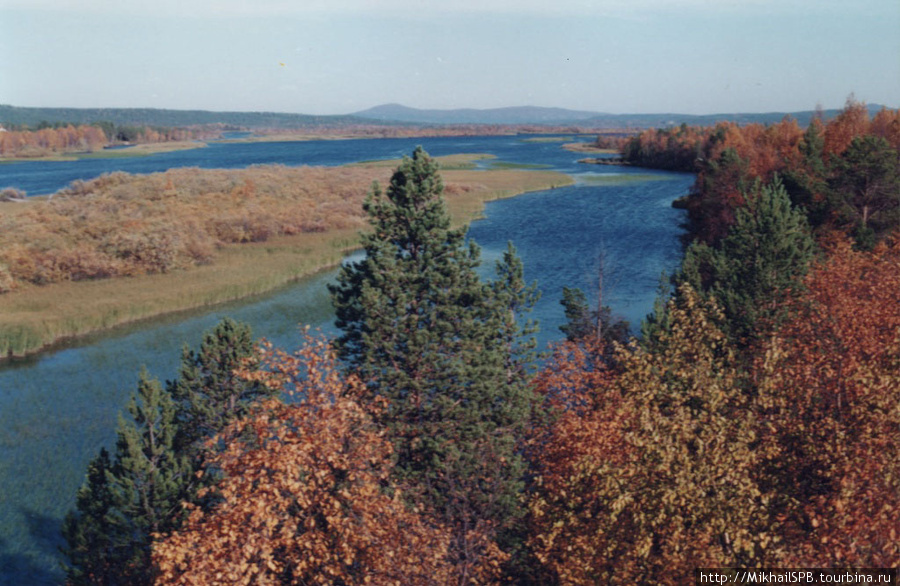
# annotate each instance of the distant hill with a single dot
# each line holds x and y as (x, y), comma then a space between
(387, 115)
(512, 115)
(561, 116)
(12, 115)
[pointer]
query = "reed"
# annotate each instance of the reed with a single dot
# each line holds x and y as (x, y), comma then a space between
(33, 317)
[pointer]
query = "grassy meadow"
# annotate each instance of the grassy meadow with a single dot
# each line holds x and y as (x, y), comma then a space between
(122, 248)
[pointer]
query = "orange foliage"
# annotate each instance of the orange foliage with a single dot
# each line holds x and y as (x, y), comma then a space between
(886, 124)
(652, 478)
(728, 158)
(305, 497)
(120, 224)
(830, 393)
(853, 121)
(46, 141)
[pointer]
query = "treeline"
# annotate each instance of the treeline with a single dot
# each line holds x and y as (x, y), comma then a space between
(368, 129)
(15, 115)
(59, 138)
(843, 173)
(756, 424)
(52, 140)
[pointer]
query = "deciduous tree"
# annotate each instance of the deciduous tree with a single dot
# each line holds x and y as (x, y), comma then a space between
(305, 497)
(653, 477)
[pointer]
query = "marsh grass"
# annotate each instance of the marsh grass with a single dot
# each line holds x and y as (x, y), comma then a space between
(507, 165)
(587, 147)
(620, 178)
(461, 161)
(140, 150)
(35, 316)
(549, 139)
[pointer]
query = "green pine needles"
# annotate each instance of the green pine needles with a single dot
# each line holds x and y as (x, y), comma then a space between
(140, 490)
(757, 266)
(445, 350)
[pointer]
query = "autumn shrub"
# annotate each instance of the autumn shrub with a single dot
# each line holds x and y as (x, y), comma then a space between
(830, 402)
(120, 224)
(12, 194)
(7, 283)
(652, 477)
(304, 497)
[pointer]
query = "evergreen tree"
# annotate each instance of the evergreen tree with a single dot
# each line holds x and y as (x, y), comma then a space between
(422, 331)
(759, 265)
(159, 450)
(583, 322)
(122, 503)
(514, 298)
(866, 182)
(208, 393)
(806, 182)
(93, 532)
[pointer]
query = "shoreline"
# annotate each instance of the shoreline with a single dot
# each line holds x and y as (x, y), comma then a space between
(35, 323)
(138, 150)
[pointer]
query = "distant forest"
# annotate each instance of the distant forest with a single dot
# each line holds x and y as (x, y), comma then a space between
(18, 117)
(12, 116)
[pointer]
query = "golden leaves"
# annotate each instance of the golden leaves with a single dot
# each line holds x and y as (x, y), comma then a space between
(302, 497)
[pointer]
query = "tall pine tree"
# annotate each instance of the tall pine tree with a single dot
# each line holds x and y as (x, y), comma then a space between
(422, 331)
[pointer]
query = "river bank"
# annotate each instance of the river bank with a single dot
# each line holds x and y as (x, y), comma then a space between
(138, 150)
(36, 318)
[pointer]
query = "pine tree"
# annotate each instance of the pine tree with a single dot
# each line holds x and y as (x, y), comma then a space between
(866, 182)
(208, 392)
(140, 491)
(124, 502)
(759, 265)
(514, 298)
(422, 331)
(92, 533)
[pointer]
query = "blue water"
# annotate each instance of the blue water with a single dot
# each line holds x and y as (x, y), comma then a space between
(57, 409)
(39, 178)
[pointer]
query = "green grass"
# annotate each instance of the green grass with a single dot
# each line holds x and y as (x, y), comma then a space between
(549, 139)
(140, 150)
(620, 179)
(460, 161)
(35, 317)
(508, 165)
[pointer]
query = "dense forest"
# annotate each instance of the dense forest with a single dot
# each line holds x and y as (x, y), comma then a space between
(755, 423)
(842, 173)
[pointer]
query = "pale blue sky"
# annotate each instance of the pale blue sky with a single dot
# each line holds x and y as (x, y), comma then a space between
(341, 56)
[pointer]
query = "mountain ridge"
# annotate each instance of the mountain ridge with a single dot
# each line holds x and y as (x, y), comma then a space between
(393, 115)
(563, 116)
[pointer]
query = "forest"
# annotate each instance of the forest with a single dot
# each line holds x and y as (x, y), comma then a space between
(48, 139)
(755, 423)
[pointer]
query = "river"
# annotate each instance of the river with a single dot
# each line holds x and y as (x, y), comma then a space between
(58, 408)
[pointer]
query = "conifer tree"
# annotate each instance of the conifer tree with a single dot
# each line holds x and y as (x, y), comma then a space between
(93, 533)
(207, 392)
(125, 501)
(514, 298)
(140, 491)
(759, 265)
(422, 331)
(866, 182)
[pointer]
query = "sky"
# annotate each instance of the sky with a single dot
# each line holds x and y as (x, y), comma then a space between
(343, 56)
